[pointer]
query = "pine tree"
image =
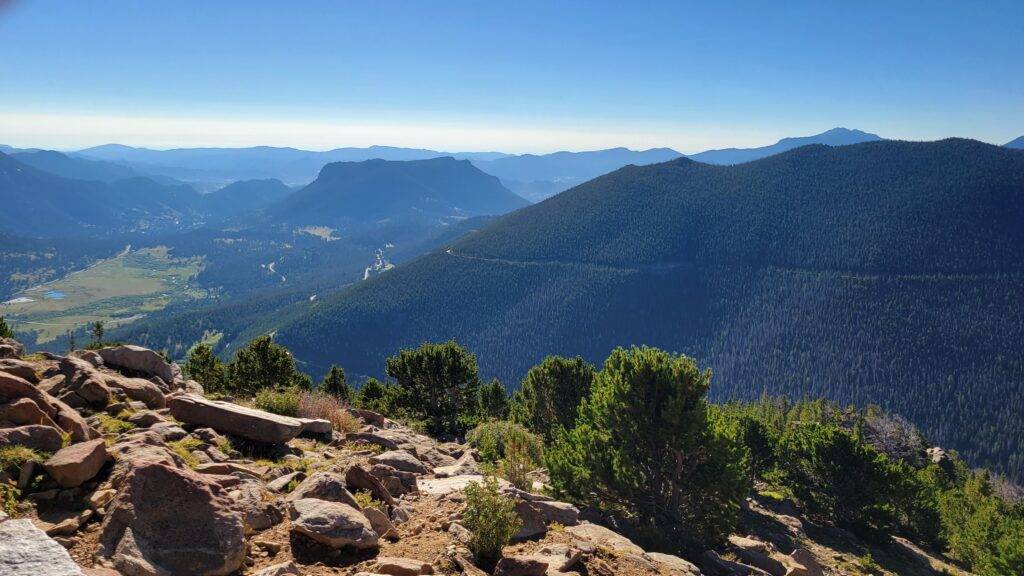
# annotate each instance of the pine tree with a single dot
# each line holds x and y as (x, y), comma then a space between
(5, 330)
(336, 384)
(98, 332)
(494, 400)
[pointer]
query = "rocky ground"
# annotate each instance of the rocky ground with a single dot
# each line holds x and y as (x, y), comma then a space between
(191, 486)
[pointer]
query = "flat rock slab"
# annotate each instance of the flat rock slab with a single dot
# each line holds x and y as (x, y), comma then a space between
(78, 463)
(443, 486)
(601, 536)
(27, 550)
(231, 418)
(402, 566)
(139, 359)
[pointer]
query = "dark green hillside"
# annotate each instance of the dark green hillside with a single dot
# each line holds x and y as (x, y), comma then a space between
(367, 192)
(243, 196)
(887, 271)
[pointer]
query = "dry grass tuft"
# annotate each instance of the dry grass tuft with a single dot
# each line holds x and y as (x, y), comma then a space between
(327, 407)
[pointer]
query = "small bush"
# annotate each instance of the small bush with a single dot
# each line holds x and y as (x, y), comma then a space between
(112, 425)
(9, 495)
(492, 438)
(517, 465)
(184, 448)
(224, 445)
(12, 457)
(285, 403)
(491, 519)
(365, 499)
(328, 407)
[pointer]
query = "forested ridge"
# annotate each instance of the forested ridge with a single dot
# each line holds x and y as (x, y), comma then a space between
(887, 271)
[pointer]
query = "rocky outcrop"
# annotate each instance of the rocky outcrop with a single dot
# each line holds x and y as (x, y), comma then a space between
(233, 419)
(27, 550)
(138, 389)
(75, 464)
(36, 437)
(11, 348)
(328, 486)
(332, 524)
(143, 361)
(23, 411)
(401, 460)
(20, 368)
(83, 385)
(191, 528)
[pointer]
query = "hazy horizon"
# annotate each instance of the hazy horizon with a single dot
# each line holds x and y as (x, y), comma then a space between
(530, 78)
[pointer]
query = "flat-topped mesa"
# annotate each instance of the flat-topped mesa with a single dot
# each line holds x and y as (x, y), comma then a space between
(234, 419)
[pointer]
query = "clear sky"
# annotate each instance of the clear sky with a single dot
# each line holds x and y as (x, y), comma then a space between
(511, 76)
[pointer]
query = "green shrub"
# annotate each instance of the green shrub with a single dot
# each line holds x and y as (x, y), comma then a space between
(843, 480)
(261, 365)
(517, 465)
(491, 519)
(379, 397)
(492, 438)
(982, 529)
(439, 385)
(551, 394)
(493, 400)
(5, 330)
(285, 403)
(643, 449)
(205, 367)
(335, 383)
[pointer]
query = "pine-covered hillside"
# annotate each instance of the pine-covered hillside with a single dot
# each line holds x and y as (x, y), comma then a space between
(885, 271)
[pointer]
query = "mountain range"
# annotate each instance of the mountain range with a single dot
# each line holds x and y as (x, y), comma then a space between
(833, 137)
(41, 204)
(1016, 143)
(882, 272)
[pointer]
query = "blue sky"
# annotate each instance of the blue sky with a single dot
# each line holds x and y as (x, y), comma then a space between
(511, 76)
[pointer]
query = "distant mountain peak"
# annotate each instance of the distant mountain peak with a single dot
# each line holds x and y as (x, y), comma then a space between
(838, 136)
(1017, 143)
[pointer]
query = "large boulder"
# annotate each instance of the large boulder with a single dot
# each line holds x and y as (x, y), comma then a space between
(27, 550)
(169, 521)
(401, 460)
(14, 388)
(324, 486)
(20, 368)
(603, 537)
(24, 411)
(141, 360)
(252, 500)
(75, 464)
(138, 389)
(234, 419)
(333, 524)
(83, 384)
(34, 436)
(139, 447)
